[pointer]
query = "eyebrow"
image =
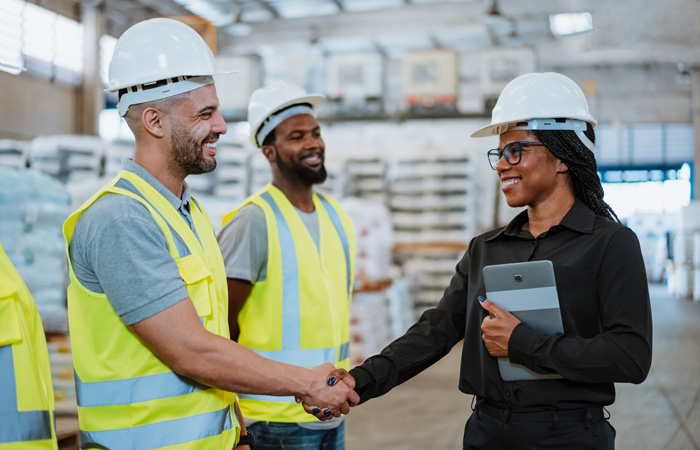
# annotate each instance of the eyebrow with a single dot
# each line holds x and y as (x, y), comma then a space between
(302, 130)
(206, 109)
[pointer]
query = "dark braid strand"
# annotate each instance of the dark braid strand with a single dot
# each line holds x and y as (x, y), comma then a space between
(566, 146)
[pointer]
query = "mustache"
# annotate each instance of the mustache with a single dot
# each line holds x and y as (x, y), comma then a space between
(212, 137)
(311, 153)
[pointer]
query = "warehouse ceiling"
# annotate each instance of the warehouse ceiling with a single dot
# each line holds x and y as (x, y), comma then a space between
(624, 31)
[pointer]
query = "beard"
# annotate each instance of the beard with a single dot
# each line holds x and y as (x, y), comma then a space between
(187, 154)
(304, 173)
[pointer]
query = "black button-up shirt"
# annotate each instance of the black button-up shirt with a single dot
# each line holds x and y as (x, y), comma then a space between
(604, 299)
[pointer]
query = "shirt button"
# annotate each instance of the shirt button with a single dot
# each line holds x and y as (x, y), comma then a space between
(506, 412)
(507, 394)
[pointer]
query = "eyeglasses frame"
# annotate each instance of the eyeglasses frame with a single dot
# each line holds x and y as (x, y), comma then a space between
(501, 152)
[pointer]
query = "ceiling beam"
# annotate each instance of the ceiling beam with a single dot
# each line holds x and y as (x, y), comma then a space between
(339, 4)
(266, 5)
(418, 18)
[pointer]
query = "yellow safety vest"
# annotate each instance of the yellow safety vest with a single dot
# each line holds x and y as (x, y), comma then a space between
(300, 314)
(26, 392)
(127, 397)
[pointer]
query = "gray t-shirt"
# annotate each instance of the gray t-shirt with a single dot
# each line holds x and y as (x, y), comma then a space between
(119, 250)
(243, 243)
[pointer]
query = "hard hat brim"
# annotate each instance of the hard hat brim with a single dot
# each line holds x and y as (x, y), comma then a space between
(496, 129)
(315, 100)
(127, 85)
(488, 130)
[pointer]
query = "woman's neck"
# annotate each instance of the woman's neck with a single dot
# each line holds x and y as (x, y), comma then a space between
(543, 216)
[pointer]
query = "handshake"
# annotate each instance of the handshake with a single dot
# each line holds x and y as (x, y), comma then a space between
(330, 393)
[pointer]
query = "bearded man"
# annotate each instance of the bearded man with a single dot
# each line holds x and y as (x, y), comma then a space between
(147, 297)
(289, 257)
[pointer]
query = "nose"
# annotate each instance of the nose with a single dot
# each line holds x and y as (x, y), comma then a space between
(312, 141)
(219, 124)
(502, 164)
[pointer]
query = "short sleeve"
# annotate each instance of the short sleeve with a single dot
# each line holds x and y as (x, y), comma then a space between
(243, 243)
(129, 256)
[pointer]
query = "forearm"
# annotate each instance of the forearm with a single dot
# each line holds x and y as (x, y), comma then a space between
(431, 338)
(227, 365)
(622, 355)
(424, 343)
(621, 349)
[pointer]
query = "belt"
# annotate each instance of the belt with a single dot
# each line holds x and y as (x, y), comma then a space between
(506, 415)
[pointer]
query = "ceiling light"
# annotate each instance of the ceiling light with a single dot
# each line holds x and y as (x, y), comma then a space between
(239, 29)
(570, 23)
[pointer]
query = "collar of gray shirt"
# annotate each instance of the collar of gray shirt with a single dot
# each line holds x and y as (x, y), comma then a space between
(179, 204)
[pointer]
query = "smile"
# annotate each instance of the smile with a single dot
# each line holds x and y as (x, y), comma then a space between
(510, 182)
(210, 145)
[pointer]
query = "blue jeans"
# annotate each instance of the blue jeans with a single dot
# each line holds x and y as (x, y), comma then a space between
(290, 436)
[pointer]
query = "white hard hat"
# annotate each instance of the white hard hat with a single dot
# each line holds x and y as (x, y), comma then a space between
(532, 102)
(266, 101)
(159, 49)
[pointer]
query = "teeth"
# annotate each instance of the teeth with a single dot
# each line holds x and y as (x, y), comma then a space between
(511, 182)
(210, 144)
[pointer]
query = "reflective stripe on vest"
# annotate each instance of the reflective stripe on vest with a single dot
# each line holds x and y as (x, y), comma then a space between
(291, 352)
(161, 434)
(291, 332)
(18, 426)
(134, 390)
(338, 225)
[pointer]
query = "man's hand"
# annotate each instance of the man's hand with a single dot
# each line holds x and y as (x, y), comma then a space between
(333, 379)
(330, 397)
(496, 328)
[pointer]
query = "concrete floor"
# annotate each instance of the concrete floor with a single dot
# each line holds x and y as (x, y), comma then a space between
(429, 412)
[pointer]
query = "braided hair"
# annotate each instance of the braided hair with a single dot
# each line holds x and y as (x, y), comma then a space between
(566, 146)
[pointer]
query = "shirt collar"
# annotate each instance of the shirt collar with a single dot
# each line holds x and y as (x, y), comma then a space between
(579, 218)
(130, 166)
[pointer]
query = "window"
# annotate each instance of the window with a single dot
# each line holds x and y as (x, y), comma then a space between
(11, 34)
(45, 43)
(107, 44)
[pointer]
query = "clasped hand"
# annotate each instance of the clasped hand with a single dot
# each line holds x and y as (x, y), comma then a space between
(331, 393)
(496, 328)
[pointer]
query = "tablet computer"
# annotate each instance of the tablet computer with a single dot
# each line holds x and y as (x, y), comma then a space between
(529, 291)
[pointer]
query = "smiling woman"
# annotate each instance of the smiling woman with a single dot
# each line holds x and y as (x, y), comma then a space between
(545, 162)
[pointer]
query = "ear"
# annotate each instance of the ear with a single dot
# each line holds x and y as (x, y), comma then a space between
(561, 166)
(153, 123)
(269, 152)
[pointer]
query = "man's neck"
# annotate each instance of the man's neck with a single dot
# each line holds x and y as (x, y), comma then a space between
(154, 163)
(299, 194)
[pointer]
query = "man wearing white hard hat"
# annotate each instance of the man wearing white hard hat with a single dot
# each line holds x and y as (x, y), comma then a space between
(563, 381)
(147, 298)
(289, 257)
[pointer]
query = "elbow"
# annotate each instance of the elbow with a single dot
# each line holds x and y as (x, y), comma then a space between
(186, 364)
(640, 370)
(182, 366)
(641, 374)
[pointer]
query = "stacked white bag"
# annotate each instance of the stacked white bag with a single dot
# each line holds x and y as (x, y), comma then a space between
(381, 308)
(34, 207)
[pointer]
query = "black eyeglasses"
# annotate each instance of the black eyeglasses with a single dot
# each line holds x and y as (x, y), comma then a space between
(512, 152)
